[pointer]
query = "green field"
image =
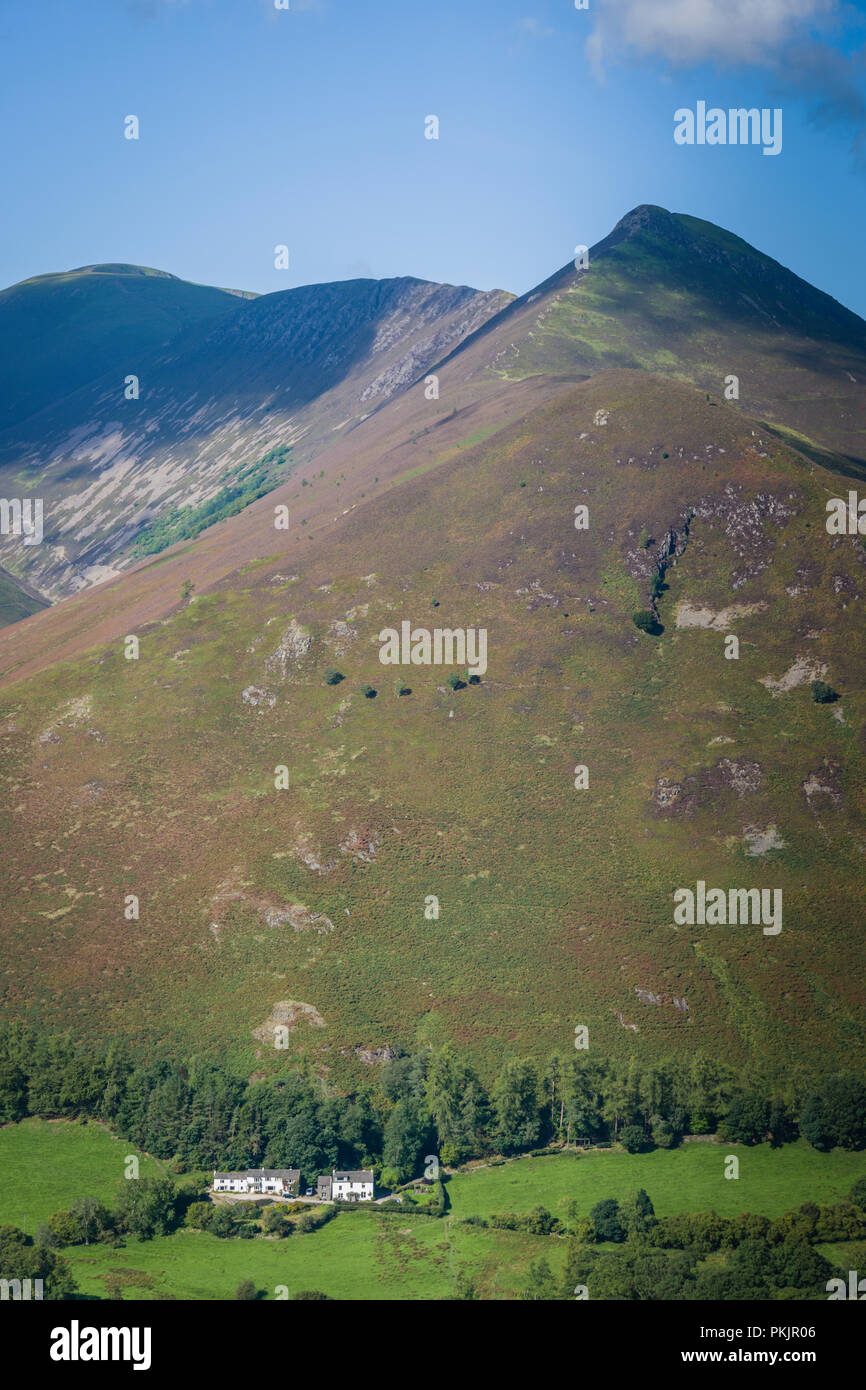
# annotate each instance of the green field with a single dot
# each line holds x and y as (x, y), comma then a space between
(360, 1255)
(371, 1254)
(690, 1178)
(46, 1164)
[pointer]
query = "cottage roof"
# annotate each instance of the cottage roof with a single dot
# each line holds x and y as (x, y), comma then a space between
(291, 1174)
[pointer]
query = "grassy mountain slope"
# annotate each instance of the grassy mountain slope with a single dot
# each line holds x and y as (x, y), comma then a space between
(17, 600)
(673, 294)
(298, 370)
(555, 904)
(58, 332)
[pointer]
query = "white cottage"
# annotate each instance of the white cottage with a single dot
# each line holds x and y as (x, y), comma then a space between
(277, 1182)
(355, 1185)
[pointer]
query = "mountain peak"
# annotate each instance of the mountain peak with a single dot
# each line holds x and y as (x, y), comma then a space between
(121, 268)
(646, 216)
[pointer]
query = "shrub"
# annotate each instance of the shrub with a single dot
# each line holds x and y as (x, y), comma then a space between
(368, 692)
(823, 694)
(646, 621)
(857, 1195)
(455, 682)
(632, 1138)
(246, 1291)
(64, 1227)
(333, 677)
(275, 1222)
(222, 1223)
(199, 1215)
(664, 1134)
(312, 1220)
(401, 687)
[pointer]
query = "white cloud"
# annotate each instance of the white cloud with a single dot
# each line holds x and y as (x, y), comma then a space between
(791, 40)
(699, 31)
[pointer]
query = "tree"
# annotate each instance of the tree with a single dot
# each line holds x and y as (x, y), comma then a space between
(246, 1291)
(146, 1207)
(707, 1093)
(21, 1259)
(199, 1215)
(646, 620)
(664, 1134)
(637, 1214)
(64, 1227)
(747, 1120)
(94, 1220)
(835, 1115)
(584, 1082)
(632, 1138)
(541, 1285)
(223, 1222)
(333, 677)
(748, 1226)
(457, 1103)
(13, 1093)
(797, 1265)
(516, 1107)
(406, 1133)
(857, 1195)
(606, 1220)
(275, 1222)
(823, 694)
(781, 1125)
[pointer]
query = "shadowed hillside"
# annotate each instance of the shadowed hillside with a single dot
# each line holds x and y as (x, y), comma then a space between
(243, 395)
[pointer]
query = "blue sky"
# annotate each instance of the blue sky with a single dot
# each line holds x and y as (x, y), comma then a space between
(306, 127)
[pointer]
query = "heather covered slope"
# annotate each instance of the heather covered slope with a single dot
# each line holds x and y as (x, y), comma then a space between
(673, 294)
(242, 401)
(306, 906)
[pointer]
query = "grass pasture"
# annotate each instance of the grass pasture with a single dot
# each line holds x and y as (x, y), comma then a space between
(46, 1164)
(369, 1254)
(690, 1178)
